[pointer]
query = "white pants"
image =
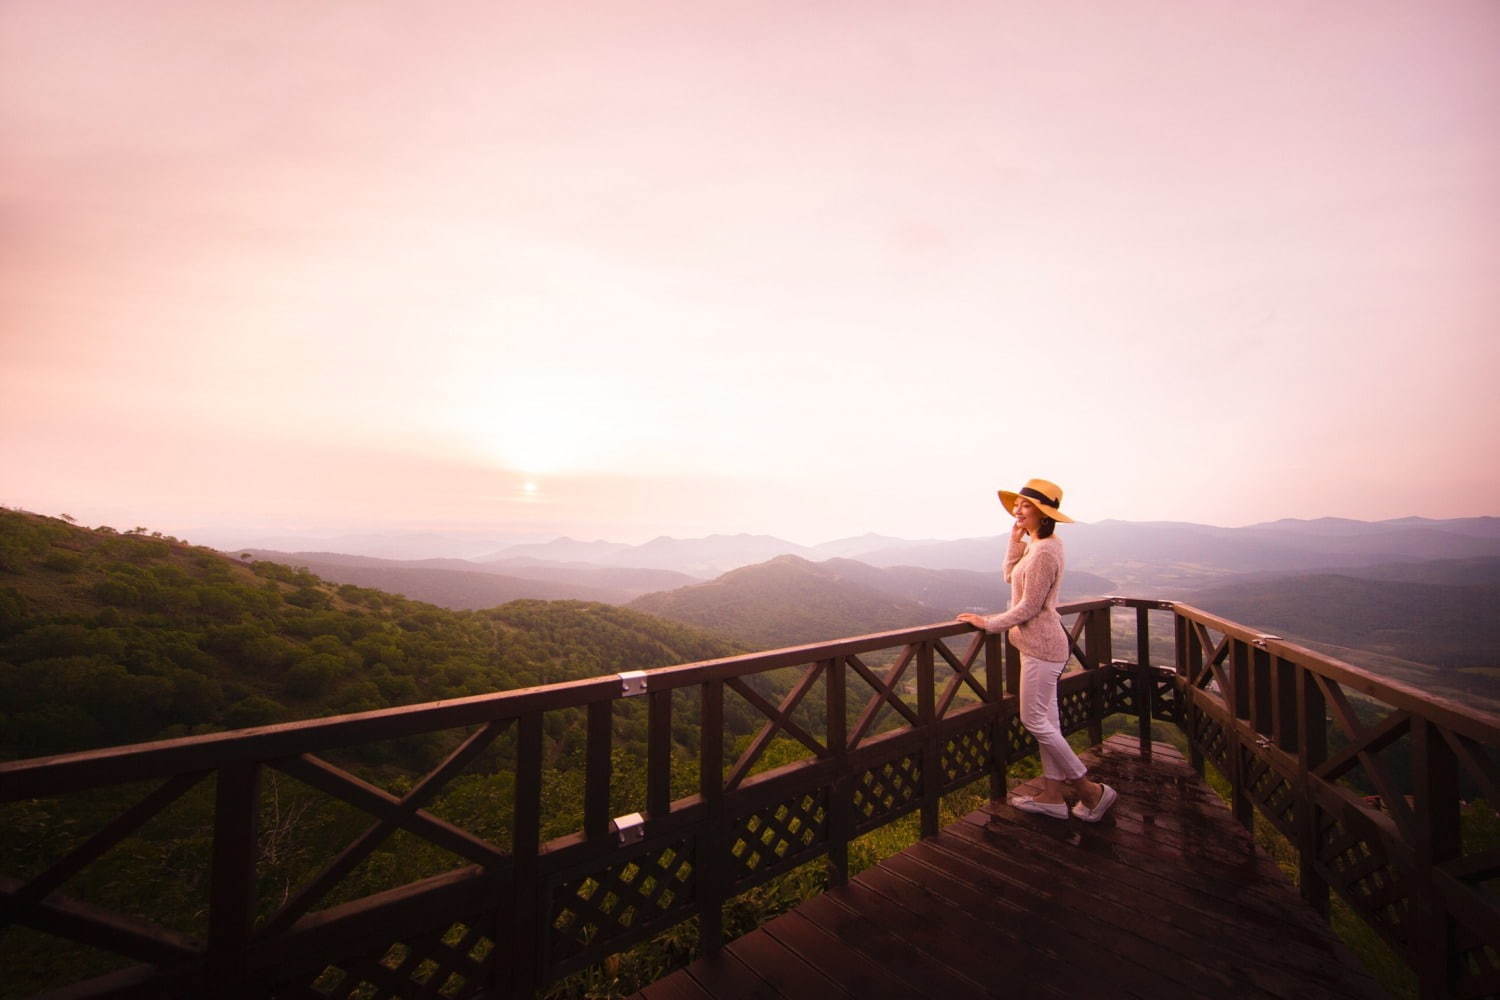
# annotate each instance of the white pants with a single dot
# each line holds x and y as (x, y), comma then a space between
(1039, 716)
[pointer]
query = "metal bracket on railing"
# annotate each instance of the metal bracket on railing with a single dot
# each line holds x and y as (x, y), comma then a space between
(1261, 640)
(632, 683)
(629, 829)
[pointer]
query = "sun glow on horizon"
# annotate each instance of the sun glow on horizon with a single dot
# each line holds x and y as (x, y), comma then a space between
(553, 424)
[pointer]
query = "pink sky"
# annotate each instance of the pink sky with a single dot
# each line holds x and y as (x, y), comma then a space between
(809, 269)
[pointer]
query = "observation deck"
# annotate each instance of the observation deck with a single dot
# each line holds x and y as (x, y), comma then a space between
(1168, 896)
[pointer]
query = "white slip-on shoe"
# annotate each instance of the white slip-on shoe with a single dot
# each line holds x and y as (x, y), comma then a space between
(1106, 799)
(1025, 803)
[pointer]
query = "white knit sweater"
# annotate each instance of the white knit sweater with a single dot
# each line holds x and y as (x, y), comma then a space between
(1034, 573)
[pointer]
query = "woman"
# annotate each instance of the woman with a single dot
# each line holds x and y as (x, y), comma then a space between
(1034, 572)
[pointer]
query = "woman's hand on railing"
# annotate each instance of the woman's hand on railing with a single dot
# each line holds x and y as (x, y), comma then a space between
(971, 619)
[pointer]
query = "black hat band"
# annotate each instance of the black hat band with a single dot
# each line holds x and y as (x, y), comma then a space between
(1027, 491)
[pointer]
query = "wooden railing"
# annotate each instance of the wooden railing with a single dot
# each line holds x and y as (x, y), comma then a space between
(1293, 731)
(882, 726)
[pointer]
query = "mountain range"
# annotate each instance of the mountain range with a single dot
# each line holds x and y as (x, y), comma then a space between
(1144, 556)
(461, 584)
(1412, 598)
(701, 557)
(790, 600)
(1141, 559)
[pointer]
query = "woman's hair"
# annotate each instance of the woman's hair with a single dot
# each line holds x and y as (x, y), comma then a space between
(1044, 530)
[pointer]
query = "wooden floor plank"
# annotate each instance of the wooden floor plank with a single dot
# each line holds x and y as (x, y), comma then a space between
(1020, 969)
(1139, 932)
(725, 977)
(1171, 915)
(890, 951)
(783, 968)
(1015, 952)
(859, 972)
(1168, 896)
(1076, 945)
(678, 986)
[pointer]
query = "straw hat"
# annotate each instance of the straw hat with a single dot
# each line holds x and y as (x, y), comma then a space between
(1044, 496)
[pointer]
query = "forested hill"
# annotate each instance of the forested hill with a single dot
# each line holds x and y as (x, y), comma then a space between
(786, 601)
(110, 638)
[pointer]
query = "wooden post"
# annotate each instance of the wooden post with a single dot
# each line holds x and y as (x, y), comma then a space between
(841, 795)
(1284, 729)
(1435, 791)
(932, 748)
(712, 846)
(1260, 691)
(1099, 645)
(598, 770)
(1098, 642)
(1238, 695)
(659, 753)
(1189, 666)
(1145, 688)
(231, 904)
(530, 909)
(1182, 639)
(1312, 750)
(994, 676)
(999, 729)
(1012, 666)
(1240, 706)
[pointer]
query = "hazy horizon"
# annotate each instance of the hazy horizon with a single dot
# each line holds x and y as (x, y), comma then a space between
(676, 269)
(469, 542)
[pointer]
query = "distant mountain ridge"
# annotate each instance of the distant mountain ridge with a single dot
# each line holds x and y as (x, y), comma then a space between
(789, 600)
(701, 557)
(784, 601)
(704, 557)
(1145, 557)
(462, 585)
(1141, 559)
(1481, 527)
(399, 545)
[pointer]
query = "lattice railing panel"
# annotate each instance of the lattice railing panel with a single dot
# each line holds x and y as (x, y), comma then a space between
(886, 790)
(1021, 742)
(654, 885)
(1272, 792)
(1075, 709)
(1120, 692)
(1358, 867)
(1166, 701)
(779, 836)
(1478, 967)
(1210, 739)
(965, 757)
(453, 964)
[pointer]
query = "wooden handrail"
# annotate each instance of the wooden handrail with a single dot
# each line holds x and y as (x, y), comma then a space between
(1472, 722)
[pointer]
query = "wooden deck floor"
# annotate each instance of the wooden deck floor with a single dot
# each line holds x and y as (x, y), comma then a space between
(1166, 898)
